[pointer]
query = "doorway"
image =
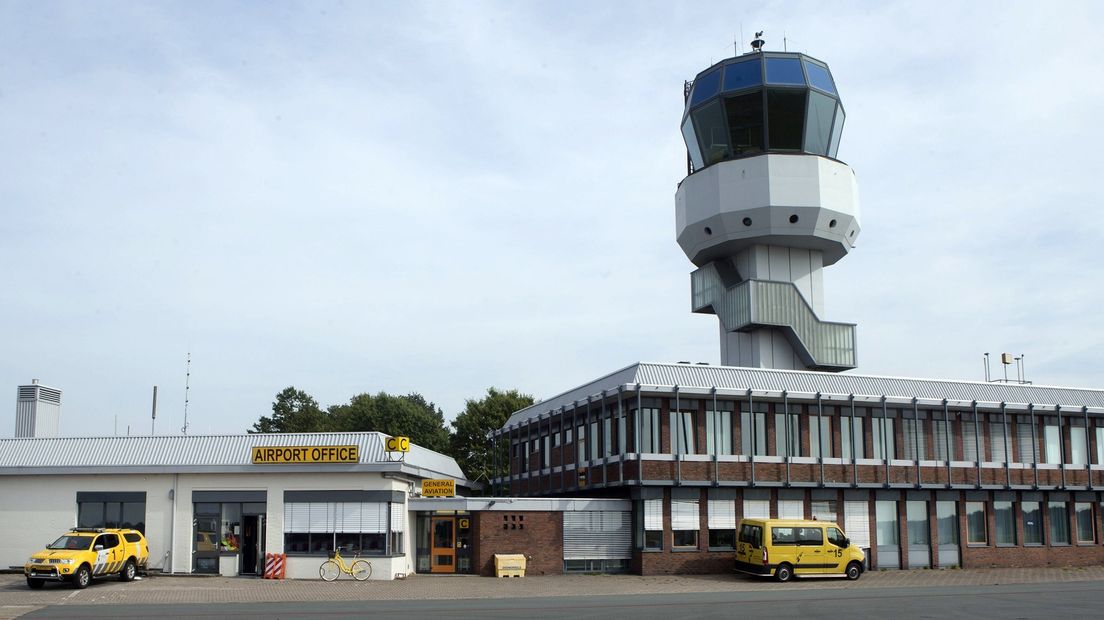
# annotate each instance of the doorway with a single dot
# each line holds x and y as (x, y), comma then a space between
(252, 548)
(442, 552)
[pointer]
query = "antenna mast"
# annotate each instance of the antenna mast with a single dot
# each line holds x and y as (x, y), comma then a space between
(187, 381)
(153, 423)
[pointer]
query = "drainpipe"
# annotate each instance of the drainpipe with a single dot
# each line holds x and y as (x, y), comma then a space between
(977, 447)
(172, 527)
(854, 461)
(1088, 448)
(820, 436)
(788, 440)
(751, 423)
(885, 446)
(947, 440)
(1062, 446)
(1034, 445)
(1007, 448)
(917, 430)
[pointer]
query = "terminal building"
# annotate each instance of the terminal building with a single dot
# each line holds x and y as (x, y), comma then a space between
(647, 469)
(923, 473)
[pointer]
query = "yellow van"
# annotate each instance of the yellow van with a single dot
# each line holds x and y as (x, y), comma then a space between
(785, 548)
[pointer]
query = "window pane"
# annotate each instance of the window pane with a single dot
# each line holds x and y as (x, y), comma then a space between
(946, 513)
(1052, 437)
(786, 435)
(785, 119)
(705, 87)
(709, 124)
(819, 77)
(1078, 449)
(886, 512)
(852, 438)
(997, 441)
(1059, 523)
(1005, 518)
(1025, 442)
(975, 524)
(818, 124)
(745, 122)
(1033, 523)
(1085, 532)
(692, 145)
(837, 130)
(90, 514)
(743, 74)
(917, 512)
(785, 71)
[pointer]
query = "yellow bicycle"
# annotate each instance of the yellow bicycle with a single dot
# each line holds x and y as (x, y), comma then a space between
(332, 568)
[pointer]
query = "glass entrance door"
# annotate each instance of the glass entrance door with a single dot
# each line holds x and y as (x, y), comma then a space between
(442, 552)
(205, 550)
(252, 545)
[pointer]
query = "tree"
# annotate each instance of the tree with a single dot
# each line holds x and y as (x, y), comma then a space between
(294, 411)
(407, 416)
(470, 446)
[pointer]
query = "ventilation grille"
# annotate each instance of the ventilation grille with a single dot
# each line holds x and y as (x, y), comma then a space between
(49, 395)
(27, 392)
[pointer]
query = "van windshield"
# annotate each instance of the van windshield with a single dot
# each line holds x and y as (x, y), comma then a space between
(79, 543)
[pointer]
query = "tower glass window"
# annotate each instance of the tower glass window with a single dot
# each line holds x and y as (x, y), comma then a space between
(785, 118)
(818, 124)
(705, 87)
(709, 124)
(785, 71)
(745, 122)
(743, 75)
(819, 77)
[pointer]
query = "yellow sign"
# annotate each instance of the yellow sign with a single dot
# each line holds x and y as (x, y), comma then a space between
(398, 444)
(464, 524)
(268, 455)
(438, 488)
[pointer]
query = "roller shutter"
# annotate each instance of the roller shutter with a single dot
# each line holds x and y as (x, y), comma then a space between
(594, 535)
(857, 523)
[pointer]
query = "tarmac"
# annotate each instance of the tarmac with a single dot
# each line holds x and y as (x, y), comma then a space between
(17, 599)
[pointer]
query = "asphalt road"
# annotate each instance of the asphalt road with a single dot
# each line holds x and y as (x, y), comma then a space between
(1044, 600)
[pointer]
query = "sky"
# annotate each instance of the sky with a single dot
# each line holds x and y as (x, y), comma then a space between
(441, 197)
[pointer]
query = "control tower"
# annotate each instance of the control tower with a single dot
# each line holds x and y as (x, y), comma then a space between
(766, 206)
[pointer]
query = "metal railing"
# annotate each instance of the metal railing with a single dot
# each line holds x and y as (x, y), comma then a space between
(751, 303)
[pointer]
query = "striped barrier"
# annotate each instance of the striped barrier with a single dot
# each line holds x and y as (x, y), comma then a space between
(275, 565)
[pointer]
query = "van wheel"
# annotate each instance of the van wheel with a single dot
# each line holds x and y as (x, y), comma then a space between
(34, 584)
(783, 573)
(82, 578)
(854, 571)
(128, 572)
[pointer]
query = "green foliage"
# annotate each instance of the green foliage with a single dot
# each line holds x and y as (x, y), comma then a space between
(294, 411)
(407, 416)
(470, 446)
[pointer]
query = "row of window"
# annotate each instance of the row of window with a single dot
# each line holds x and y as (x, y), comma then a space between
(867, 433)
(316, 528)
(1042, 522)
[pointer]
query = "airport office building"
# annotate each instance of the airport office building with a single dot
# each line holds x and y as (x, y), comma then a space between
(219, 504)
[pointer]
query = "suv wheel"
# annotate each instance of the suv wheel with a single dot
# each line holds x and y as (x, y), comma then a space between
(128, 572)
(82, 578)
(34, 584)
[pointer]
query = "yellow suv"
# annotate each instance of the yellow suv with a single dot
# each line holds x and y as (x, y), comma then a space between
(83, 553)
(785, 548)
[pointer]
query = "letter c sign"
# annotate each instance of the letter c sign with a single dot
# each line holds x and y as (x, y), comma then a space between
(398, 444)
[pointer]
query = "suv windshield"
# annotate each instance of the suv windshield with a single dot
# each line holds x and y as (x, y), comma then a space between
(70, 541)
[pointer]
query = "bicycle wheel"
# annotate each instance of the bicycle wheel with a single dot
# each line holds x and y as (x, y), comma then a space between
(329, 570)
(362, 570)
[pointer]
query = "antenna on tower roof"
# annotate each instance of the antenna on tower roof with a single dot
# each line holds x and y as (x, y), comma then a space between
(187, 382)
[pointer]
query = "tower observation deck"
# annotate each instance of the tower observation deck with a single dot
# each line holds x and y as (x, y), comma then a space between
(765, 207)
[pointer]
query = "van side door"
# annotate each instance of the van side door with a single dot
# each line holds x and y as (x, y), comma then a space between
(811, 558)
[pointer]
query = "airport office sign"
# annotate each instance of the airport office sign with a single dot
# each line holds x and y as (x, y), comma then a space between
(272, 455)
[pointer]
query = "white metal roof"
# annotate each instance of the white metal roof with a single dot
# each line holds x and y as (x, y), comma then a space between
(208, 453)
(731, 378)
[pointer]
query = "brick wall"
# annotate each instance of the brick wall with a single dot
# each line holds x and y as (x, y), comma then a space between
(537, 535)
